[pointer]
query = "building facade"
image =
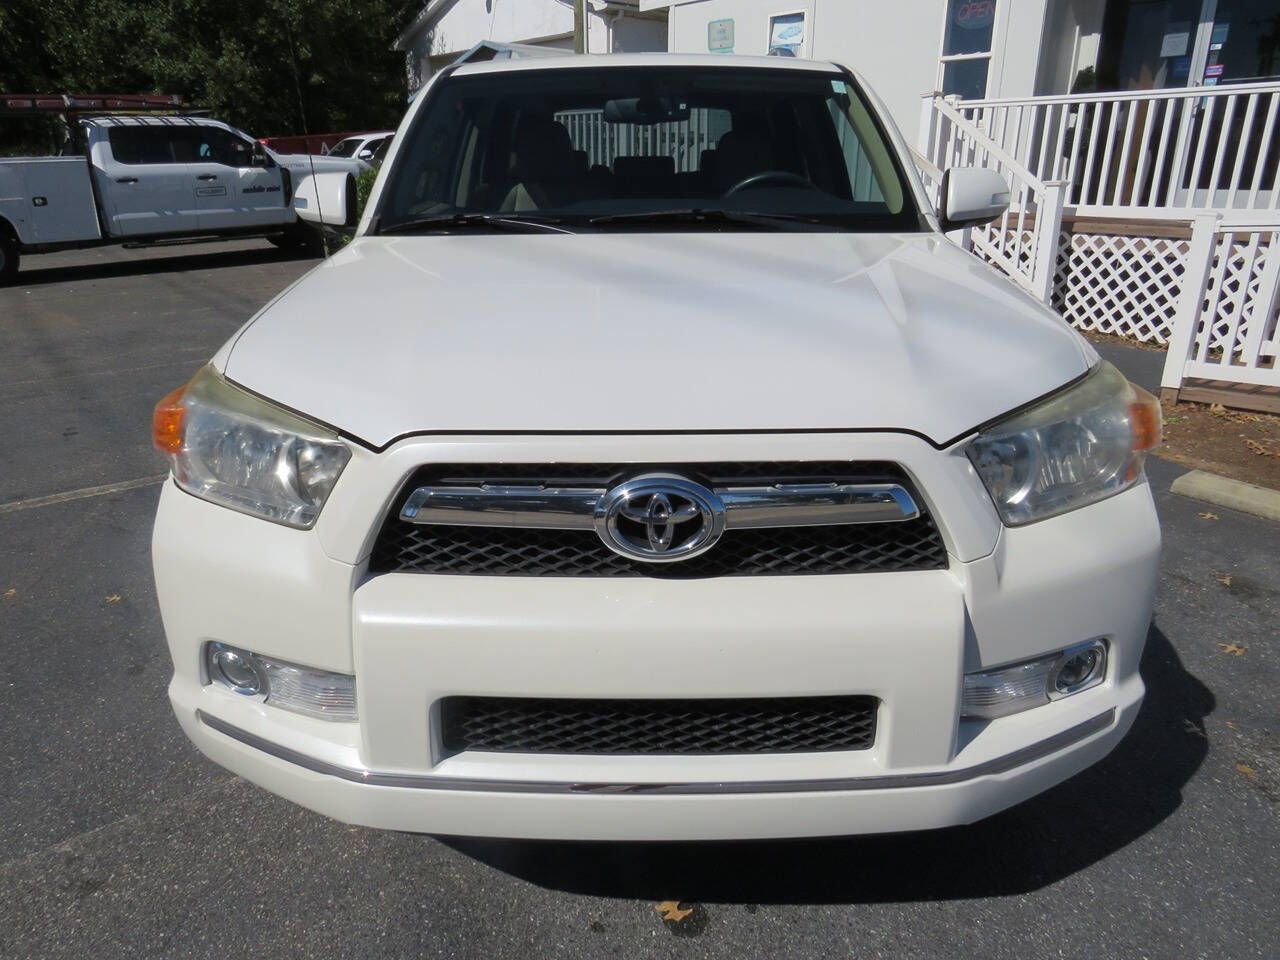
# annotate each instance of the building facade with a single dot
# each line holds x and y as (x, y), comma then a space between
(992, 49)
(446, 29)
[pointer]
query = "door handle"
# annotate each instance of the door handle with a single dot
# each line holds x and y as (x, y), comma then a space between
(207, 176)
(126, 179)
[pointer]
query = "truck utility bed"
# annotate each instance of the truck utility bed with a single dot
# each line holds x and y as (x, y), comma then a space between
(49, 199)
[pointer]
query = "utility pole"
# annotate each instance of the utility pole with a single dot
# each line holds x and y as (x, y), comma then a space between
(579, 26)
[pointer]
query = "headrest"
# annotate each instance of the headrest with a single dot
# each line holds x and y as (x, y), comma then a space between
(644, 167)
(544, 151)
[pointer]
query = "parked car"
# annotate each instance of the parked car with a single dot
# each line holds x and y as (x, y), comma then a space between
(652, 466)
(139, 179)
(369, 147)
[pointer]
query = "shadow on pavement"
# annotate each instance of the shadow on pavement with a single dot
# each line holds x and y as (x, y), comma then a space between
(1037, 843)
(143, 265)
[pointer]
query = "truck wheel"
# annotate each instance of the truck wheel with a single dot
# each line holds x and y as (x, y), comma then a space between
(8, 260)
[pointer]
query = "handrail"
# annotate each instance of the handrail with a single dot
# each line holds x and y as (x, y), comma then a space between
(1167, 93)
(974, 132)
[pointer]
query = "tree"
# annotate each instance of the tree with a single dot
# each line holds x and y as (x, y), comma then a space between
(273, 67)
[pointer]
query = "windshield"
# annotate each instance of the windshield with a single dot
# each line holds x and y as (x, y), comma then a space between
(614, 148)
(345, 148)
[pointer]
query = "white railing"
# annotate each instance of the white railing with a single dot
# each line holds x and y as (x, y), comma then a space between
(1226, 325)
(1164, 154)
(1023, 242)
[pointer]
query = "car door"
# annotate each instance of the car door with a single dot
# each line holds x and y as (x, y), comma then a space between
(237, 185)
(147, 191)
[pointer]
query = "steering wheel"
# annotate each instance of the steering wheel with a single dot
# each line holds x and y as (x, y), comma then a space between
(769, 176)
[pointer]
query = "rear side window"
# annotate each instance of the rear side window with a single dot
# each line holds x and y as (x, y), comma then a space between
(137, 145)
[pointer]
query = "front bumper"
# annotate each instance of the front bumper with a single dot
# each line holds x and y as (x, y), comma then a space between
(412, 639)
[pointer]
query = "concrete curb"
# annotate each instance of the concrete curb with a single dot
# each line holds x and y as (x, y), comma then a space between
(1245, 497)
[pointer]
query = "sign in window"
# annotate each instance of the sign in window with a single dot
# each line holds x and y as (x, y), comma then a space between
(786, 35)
(966, 47)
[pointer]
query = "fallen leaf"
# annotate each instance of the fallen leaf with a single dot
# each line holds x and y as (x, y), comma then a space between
(1225, 580)
(1244, 768)
(114, 598)
(1258, 448)
(1209, 516)
(1230, 725)
(1232, 649)
(11, 593)
(1217, 408)
(671, 910)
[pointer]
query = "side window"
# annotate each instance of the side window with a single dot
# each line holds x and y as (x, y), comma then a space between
(213, 145)
(138, 145)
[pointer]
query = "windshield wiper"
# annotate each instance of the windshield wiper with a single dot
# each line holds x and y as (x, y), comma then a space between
(464, 221)
(697, 215)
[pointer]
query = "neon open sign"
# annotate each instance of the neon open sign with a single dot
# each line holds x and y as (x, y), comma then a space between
(975, 14)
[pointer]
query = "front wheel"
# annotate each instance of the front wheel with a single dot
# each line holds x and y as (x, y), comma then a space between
(8, 260)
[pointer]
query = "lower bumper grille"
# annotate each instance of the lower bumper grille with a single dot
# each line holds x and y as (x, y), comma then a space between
(756, 725)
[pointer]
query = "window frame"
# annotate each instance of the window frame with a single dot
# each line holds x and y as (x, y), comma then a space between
(999, 36)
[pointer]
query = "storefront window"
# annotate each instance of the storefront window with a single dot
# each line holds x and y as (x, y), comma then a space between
(966, 47)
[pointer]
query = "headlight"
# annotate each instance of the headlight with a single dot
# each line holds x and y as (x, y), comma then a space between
(232, 448)
(1075, 448)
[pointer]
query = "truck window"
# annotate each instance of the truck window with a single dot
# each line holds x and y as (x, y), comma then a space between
(211, 145)
(137, 145)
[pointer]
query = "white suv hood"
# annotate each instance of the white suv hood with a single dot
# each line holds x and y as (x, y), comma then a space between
(654, 332)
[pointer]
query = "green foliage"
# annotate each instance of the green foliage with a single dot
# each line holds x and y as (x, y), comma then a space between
(271, 67)
(364, 186)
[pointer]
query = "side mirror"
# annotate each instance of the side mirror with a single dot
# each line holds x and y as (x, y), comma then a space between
(260, 157)
(325, 199)
(972, 196)
(364, 155)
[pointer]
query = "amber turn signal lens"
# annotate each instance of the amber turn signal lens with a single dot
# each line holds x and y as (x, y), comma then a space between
(1148, 421)
(166, 422)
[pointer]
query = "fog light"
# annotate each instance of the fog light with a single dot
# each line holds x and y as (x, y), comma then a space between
(1033, 683)
(236, 670)
(316, 693)
(1079, 669)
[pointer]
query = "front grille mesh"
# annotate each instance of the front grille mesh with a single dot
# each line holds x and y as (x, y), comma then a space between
(493, 551)
(758, 725)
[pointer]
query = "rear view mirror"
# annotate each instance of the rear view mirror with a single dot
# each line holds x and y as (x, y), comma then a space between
(972, 196)
(645, 110)
(364, 155)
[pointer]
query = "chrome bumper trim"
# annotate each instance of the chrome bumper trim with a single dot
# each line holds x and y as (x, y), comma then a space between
(889, 782)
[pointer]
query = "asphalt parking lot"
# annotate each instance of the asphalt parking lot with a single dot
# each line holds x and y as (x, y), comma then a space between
(117, 839)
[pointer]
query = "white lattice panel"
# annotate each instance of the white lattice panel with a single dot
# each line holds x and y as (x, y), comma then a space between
(1234, 282)
(1121, 285)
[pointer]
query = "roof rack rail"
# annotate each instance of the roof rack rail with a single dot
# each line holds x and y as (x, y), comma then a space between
(13, 104)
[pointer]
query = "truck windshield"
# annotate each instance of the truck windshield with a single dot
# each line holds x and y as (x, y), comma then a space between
(621, 148)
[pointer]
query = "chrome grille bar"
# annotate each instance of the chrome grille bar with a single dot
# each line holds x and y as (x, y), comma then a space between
(570, 508)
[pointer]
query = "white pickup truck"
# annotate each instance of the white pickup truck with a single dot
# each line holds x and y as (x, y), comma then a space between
(139, 179)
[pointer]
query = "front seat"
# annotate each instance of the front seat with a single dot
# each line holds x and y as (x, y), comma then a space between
(544, 167)
(741, 154)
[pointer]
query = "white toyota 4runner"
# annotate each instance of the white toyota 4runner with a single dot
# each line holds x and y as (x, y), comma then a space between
(683, 482)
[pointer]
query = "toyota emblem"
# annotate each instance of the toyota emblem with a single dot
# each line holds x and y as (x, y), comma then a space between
(659, 518)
